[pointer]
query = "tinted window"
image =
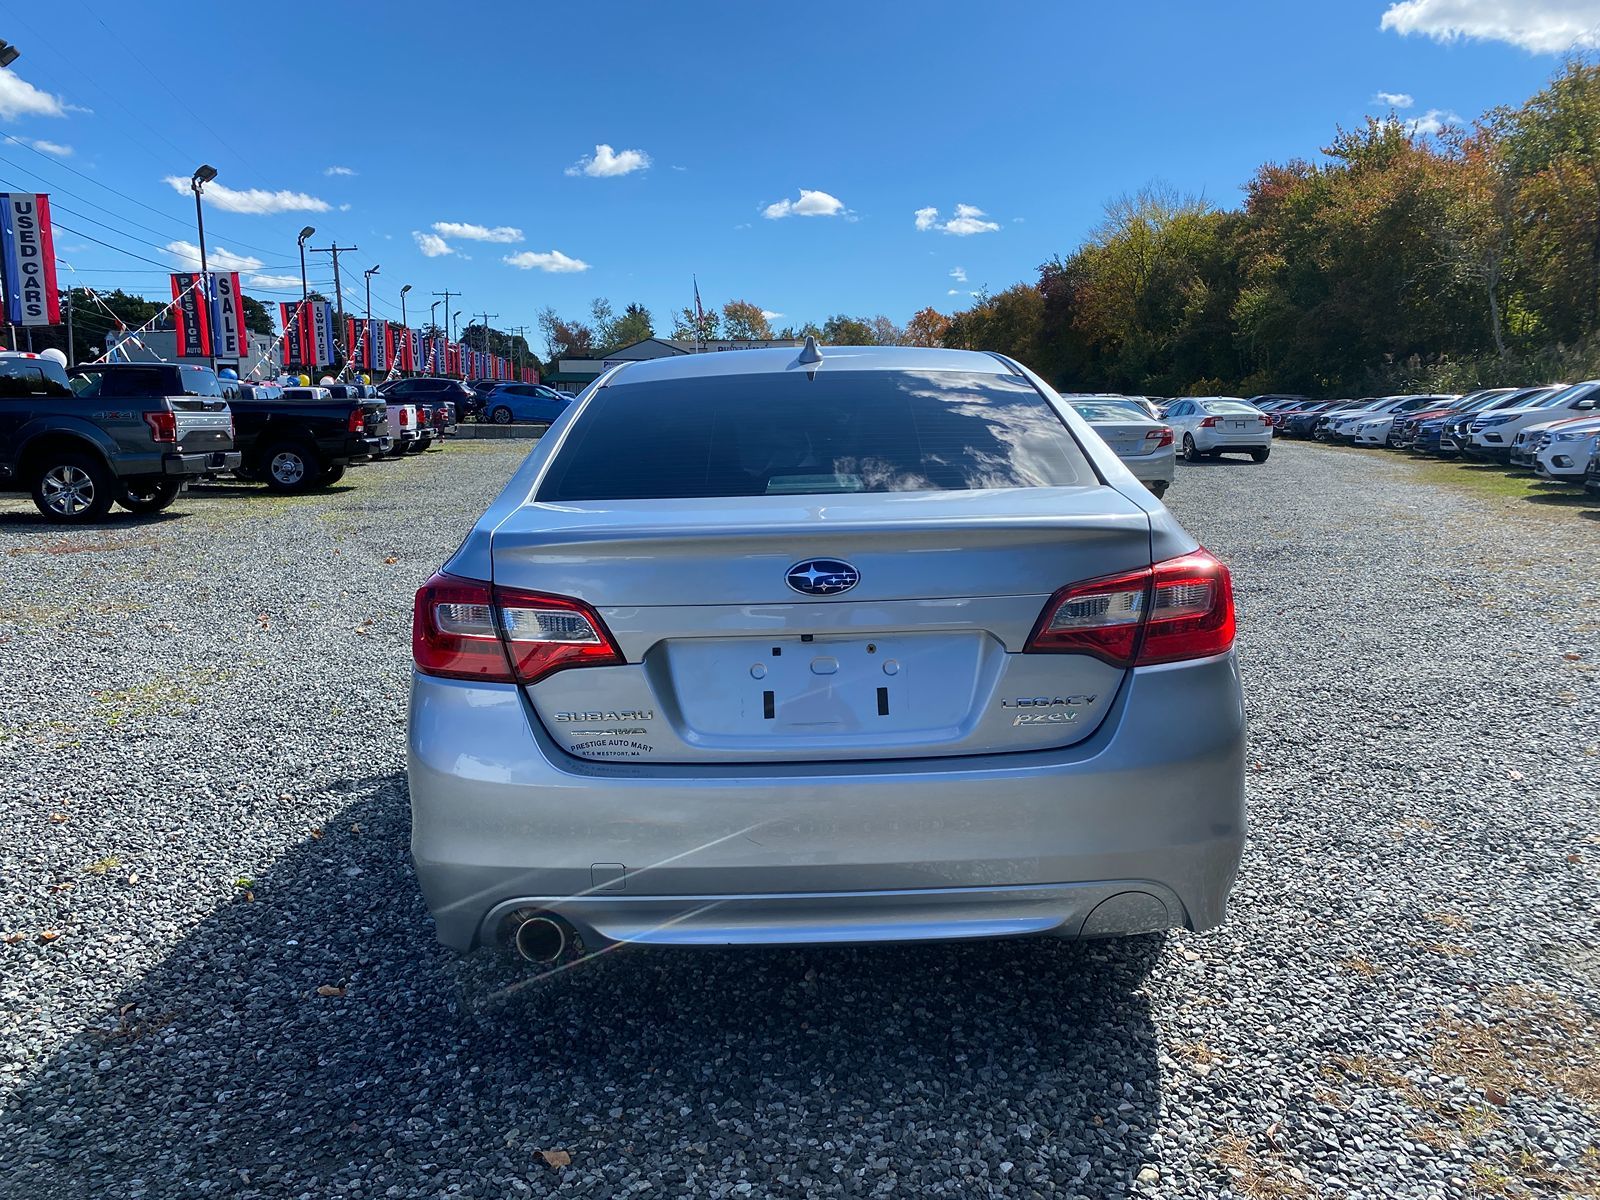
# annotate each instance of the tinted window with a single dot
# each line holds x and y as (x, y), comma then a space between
(124, 381)
(32, 377)
(197, 381)
(795, 434)
(1109, 410)
(1230, 406)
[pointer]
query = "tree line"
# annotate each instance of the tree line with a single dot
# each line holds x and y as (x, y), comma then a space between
(1398, 260)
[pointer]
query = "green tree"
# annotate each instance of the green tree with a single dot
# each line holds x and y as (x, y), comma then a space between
(840, 330)
(258, 317)
(563, 338)
(688, 326)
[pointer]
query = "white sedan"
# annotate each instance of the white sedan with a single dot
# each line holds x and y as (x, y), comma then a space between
(1211, 426)
(1143, 445)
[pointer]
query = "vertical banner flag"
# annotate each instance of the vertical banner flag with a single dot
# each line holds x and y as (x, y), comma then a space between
(377, 354)
(350, 339)
(312, 333)
(324, 316)
(189, 316)
(227, 316)
(289, 319)
(28, 259)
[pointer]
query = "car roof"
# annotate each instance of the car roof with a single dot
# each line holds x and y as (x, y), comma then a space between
(837, 358)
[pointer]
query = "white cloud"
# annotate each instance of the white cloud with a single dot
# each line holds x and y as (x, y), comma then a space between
(273, 281)
(344, 208)
(431, 244)
(953, 292)
(959, 274)
(676, 167)
(1537, 26)
(605, 162)
(1431, 122)
(477, 233)
(218, 258)
(19, 98)
(968, 219)
(44, 147)
(257, 201)
(339, 171)
(770, 315)
(552, 261)
(810, 204)
(1394, 99)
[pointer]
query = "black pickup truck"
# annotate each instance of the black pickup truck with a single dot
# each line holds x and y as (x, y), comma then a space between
(130, 433)
(297, 438)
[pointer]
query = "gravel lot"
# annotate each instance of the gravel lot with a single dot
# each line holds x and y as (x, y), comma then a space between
(218, 978)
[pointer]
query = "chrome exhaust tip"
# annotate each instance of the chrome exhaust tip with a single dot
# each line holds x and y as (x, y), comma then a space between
(539, 939)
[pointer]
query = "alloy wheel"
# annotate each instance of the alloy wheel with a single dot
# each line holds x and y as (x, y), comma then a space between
(68, 490)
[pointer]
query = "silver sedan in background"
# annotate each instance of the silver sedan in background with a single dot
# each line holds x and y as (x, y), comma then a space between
(1142, 443)
(854, 644)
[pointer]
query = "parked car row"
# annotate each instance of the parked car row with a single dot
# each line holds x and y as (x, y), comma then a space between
(137, 434)
(1552, 429)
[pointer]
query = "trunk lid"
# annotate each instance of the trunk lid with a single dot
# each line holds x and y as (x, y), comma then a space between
(726, 660)
(1127, 440)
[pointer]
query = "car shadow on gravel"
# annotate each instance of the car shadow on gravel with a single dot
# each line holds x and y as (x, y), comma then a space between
(312, 1032)
(113, 520)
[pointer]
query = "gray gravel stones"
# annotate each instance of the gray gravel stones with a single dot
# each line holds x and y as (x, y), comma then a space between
(202, 796)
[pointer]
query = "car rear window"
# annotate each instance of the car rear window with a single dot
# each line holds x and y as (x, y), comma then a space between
(1109, 410)
(32, 377)
(802, 433)
(1229, 406)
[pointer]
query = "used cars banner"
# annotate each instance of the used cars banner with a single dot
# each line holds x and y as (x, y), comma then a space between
(28, 259)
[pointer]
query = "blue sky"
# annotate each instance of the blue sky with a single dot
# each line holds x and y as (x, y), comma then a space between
(793, 155)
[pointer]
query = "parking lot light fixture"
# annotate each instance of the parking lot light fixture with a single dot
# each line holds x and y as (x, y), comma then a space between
(203, 175)
(305, 289)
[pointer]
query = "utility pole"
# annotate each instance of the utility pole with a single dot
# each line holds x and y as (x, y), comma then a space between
(72, 353)
(338, 287)
(486, 316)
(522, 332)
(447, 293)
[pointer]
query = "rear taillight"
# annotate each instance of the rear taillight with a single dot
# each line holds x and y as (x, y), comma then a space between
(1266, 420)
(163, 425)
(405, 417)
(358, 421)
(1178, 609)
(1209, 423)
(463, 629)
(1162, 436)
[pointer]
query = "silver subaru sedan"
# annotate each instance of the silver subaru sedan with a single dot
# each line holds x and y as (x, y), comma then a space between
(850, 644)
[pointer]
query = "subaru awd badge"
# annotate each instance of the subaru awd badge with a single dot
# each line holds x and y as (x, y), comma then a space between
(822, 577)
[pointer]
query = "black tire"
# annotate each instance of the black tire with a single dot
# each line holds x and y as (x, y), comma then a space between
(500, 415)
(331, 475)
(1158, 488)
(149, 495)
(398, 451)
(1261, 456)
(1191, 452)
(1215, 455)
(291, 467)
(70, 488)
(418, 446)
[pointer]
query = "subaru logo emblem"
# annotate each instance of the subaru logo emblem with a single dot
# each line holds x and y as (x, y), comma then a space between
(822, 577)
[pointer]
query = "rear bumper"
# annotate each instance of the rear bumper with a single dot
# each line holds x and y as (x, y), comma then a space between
(1160, 467)
(200, 464)
(1151, 808)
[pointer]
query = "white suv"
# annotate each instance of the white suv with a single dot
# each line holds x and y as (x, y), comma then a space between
(1211, 426)
(1492, 434)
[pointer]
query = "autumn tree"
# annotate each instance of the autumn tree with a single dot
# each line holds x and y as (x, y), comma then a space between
(926, 328)
(840, 330)
(744, 321)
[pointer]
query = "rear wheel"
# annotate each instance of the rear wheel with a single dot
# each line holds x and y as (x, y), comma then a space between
(148, 496)
(1260, 456)
(292, 467)
(1191, 452)
(500, 415)
(330, 476)
(1158, 488)
(73, 487)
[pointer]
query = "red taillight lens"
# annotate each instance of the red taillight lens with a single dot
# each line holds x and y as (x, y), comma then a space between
(1266, 420)
(463, 629)
(1209, 423)
(358, 420)
(163, 425)
(1178, 609)
(1162, 436)
(405, 417)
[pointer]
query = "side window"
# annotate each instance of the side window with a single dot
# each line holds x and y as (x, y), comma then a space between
(133, 381)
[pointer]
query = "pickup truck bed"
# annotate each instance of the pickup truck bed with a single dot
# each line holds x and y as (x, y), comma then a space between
(294, 445)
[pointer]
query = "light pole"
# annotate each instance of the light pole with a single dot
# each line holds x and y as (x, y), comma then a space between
(203, 175)
(404, 324)
(305, 289)
(8, 53)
